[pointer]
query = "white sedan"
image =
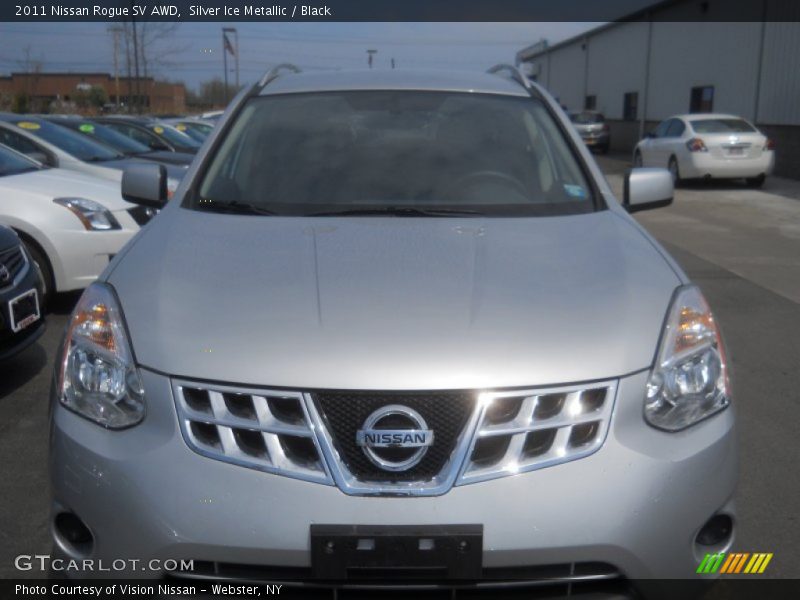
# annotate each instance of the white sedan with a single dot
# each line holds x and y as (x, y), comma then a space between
(72, 224)
(706, 146)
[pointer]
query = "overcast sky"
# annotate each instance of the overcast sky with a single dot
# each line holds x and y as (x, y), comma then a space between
(193, 53)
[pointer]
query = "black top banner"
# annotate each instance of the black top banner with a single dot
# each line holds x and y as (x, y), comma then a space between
(398, 10)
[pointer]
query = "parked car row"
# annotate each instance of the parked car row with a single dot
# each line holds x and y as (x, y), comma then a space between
(62, 215)
(129, 146)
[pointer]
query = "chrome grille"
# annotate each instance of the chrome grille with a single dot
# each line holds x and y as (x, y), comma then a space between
(261, 429)
(13, 263)
(525, 430)
(504, 433)
(343, 413)
(448, 457)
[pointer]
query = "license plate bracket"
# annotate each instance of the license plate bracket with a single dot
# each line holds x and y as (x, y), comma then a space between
(24, 310)
(403, 552)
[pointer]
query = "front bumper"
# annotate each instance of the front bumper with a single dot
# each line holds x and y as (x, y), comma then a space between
(636, 504)
(79, 256)
(13, 343)
(597, 139)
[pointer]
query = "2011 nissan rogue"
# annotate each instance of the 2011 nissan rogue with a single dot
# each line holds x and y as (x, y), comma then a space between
(394, 327)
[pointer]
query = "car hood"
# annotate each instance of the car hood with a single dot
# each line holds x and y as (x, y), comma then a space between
(62, 183)
(393, 303)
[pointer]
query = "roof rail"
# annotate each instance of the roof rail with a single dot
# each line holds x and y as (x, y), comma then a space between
(276, 70)
(515, 73)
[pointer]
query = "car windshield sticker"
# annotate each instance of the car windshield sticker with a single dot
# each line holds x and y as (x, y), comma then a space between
(180, 127)
(158, 129)
(86, 127)
(28, 125)
(576, 191)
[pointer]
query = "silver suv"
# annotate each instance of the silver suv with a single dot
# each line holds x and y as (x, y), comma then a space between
(395, 325)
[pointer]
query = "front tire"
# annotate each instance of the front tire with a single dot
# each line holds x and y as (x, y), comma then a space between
(44, 272)
(674, 171)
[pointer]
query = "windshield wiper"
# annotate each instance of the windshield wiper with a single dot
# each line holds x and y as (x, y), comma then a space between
(233, 207)
(398, 211)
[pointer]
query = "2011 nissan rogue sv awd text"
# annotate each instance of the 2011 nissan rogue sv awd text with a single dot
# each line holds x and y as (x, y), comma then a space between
(395, 325)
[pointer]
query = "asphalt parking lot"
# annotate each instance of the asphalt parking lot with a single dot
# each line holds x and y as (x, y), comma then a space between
(741, 246)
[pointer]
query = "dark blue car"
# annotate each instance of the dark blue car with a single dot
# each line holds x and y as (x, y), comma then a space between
(21, 312)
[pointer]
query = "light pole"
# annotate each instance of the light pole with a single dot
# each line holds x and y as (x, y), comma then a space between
(137, 107)
(116, 31)
(233, 49)
(370, 54)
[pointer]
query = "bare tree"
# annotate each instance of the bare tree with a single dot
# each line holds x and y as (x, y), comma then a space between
(32, 67)
(147, 47)
(157, 44)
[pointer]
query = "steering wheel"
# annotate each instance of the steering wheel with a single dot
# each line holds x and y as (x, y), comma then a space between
(496, 177)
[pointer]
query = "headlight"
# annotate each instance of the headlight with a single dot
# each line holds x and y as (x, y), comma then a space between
(93, 215)
(689, 381)
(98, 377)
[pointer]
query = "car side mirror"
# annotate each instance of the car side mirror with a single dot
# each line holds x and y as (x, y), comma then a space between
(646, 189)
(145, 184)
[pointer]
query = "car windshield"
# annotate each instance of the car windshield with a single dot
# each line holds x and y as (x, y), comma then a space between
(69, 141)
(193, 132)
(202, 127)
(12, 163)
(173, 136)
(586, 118)
(409, 152)
(107, 136)
(722, 126)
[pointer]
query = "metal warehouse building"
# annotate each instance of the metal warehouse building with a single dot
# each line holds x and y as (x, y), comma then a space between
(676, 58)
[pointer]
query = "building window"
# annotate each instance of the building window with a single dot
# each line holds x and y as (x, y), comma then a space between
(630, 106)
(590, 103)
(702, 99)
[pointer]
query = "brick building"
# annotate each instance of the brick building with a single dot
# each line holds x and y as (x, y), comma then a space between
(154, 96)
